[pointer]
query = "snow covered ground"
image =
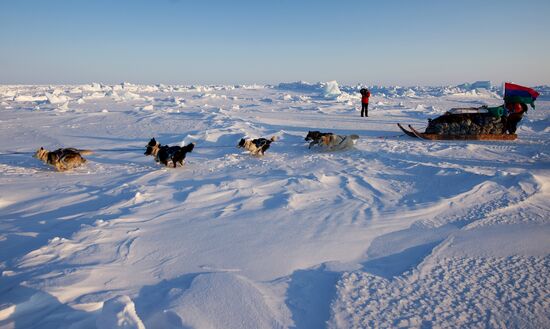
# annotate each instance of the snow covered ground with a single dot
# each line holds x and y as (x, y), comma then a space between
(396, 232)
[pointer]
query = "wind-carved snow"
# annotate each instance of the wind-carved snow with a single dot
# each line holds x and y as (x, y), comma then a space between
(465, 292)
(119, 312)
(393, 232)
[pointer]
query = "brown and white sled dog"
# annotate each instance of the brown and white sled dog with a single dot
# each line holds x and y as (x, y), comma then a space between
(256, 146)
(338, 142)
(165, 153)
(62, 159)
(315, 137)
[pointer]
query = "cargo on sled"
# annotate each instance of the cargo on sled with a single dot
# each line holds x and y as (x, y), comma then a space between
(480, 123)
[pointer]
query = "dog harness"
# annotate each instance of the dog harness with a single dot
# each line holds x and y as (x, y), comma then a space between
(343, 139)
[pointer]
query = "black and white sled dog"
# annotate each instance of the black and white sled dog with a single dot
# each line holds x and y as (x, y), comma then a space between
(256, 146)
(62, 159)
(315, 137)
(335, 142)
(165, 153)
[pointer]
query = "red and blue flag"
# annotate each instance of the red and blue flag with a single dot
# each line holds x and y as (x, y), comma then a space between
(519, 94)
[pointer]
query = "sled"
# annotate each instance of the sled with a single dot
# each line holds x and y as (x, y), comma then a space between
(485, 137)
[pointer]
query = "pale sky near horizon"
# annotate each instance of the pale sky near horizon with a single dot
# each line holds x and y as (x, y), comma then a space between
(391, 42)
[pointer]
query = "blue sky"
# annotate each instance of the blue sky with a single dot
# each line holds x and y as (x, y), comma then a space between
(189, 42)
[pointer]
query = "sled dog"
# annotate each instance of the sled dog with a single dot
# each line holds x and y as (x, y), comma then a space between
(62, 159)
(315, 137)
(256, 146)
(165, 153)
(338, 142)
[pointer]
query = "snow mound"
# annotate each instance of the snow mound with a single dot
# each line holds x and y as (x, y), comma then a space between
(94, 95)
(119, 312)
(250, 87)
(477, 89)
(199, 88)
(476, 85)
(93, 87)
(410, 93)
(126, 96)
(544, 92)
(222, 300)
(474, 93)
(331, 90)
(55, 98)
(28, 98)
(300, 86)
(130, 87)
(75, 90)
(327, 90)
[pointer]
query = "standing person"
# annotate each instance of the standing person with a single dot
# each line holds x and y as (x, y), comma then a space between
(365, 94)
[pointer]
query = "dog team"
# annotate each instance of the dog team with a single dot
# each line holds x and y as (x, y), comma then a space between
(68, 158)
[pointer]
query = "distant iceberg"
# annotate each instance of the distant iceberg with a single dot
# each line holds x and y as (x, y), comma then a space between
(331, 90)
(478, 84)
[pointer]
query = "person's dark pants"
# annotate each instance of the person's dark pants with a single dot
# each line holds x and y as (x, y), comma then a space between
(365, 109)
